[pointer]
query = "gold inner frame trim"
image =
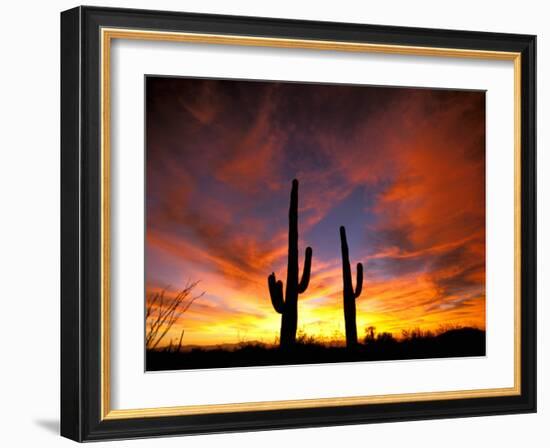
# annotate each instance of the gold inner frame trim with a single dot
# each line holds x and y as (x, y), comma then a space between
(107, 35)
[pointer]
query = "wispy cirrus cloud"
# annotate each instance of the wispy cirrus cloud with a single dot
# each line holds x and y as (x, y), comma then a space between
(402, 169)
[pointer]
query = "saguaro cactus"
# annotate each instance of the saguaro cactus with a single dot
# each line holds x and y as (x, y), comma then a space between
(287, 306)
(349, 294)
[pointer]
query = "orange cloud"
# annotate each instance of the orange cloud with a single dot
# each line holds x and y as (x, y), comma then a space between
(403, 169)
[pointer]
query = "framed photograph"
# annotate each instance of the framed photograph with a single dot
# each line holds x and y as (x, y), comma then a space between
(275, 224)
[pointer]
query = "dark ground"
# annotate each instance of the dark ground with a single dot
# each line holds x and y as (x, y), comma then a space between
(452, 343)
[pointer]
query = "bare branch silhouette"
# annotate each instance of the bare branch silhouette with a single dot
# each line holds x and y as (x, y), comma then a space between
(163, 311)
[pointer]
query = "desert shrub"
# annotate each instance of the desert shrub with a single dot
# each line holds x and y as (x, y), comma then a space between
(162, 311)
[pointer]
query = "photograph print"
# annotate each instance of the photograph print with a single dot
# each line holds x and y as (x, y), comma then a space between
(302, 223)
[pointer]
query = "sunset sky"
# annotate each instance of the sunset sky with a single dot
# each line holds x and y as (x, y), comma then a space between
(402, 169)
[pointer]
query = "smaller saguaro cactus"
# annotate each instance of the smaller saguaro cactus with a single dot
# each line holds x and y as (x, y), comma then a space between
(349, 294)
(287, 304)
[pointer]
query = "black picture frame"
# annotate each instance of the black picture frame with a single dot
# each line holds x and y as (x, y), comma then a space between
(81, 381)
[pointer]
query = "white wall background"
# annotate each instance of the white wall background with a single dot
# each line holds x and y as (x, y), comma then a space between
(29, 227)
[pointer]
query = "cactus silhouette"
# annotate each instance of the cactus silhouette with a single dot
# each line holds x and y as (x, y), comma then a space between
(349, 294)
(287, 306)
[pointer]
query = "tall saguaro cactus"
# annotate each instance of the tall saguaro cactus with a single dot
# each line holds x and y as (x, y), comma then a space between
(287, 306)
(349, 294)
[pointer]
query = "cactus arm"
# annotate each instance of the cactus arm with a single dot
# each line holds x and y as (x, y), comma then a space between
(307, 271)
(276, 293)
(359, 283)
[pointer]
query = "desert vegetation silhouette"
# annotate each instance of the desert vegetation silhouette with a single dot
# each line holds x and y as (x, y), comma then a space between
(287, 305)
(163, 311)
(349, 293)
